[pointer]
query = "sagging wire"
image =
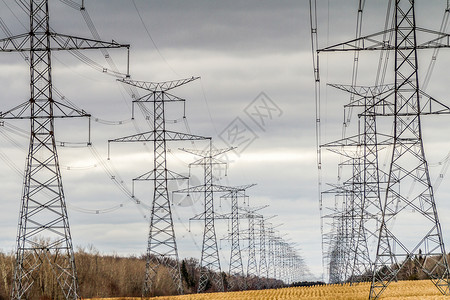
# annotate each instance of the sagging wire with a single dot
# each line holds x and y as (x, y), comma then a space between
(151, 38)
(21, 133)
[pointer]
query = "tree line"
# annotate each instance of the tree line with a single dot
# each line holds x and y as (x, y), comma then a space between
(101, 275)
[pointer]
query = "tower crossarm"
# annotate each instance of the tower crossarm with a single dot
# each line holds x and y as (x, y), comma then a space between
(207, 160)
(435, 39)
(167, 98)
(428, 106)
(171, 175)
(364, 91)
(202, 188)
(67, 42)
(217, 189)
(21, 43)
(207, 153)
(243, 188)
(357, 140)
(237, 193)
(158, 86)
(150, 136)
(60, 110)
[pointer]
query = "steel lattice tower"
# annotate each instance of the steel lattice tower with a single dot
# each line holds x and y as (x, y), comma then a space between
(43, 231)
(209, 262)
(345, 217)
(408, 167)
(271, 267)
(263, 270)
(162, 247)
(369, 208)
(236, 268)
(362, 192)
(252, 265)
(250, 214)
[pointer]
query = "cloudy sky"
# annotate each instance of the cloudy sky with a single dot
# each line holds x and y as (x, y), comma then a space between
(245, 52)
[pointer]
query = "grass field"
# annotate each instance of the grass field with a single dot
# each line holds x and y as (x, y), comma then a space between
(403, 290)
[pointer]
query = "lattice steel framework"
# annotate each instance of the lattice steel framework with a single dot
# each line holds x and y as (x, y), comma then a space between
(252, 265)
(236, 268)
(263, 270)
(271, 257)
(250, 214)
(43, 237)
(365, 209)
(209, 263)
(345, 218)
(162, 247)
(408, 166)
(273, 263)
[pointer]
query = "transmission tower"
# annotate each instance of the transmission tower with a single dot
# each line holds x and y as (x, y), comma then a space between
(408, 166)
(367, 177)
(209, 263)
(263, 268)
(162, 247)
(236, 267)
(43, 231)
(279, 260)
(272, 269)
(250, 214)
(344, 217)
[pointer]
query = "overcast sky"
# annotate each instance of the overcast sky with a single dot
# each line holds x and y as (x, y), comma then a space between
(245, 52)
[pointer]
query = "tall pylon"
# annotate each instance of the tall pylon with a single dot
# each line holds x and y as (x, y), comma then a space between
(236, 268)
(263, 269)
(250, 213)
(162, 247)
(210, 270)
(408, 166)
(345, 218)
(44, 237)
(352, 260)
(271, 266)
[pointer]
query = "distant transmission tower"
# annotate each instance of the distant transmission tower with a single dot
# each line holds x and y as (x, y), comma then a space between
(343, 218)
(368, 180)
(271, 266)
(263, 268)
(250, 214)
(162, 247)
(210, 263)
(43, 232)
(408, 167)
(236, 267)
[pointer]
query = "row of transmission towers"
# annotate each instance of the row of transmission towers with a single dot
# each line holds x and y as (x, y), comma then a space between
(162, 250)
(384, 219)
(44, 237)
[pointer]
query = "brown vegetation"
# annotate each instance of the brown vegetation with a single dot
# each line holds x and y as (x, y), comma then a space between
(98, 276)
(102, 276)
